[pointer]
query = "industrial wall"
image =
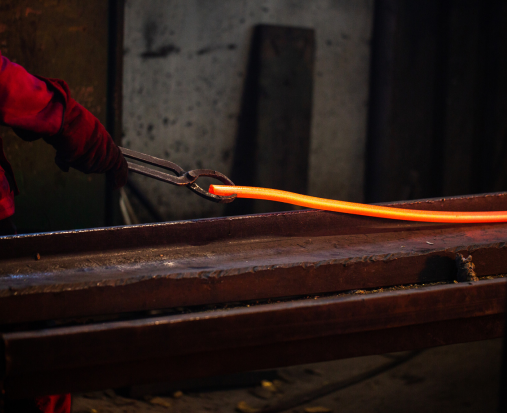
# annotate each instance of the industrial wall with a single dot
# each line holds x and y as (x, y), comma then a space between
(66, 40)
(184, 73)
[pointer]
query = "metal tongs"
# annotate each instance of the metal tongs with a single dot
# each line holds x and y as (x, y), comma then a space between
(182, 178)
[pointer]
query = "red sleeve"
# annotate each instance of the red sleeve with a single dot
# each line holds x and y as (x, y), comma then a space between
(6, 196)
(26, 102)
(37, 107)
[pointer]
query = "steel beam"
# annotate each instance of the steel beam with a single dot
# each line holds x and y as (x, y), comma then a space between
(149, 267)
(264, 336)
(125, 273)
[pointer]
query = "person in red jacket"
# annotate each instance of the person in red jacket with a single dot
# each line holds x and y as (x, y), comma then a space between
(37, 107)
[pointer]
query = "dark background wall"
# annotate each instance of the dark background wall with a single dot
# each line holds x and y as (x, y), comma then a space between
(438, 99)
(67, 40)
(188, 86)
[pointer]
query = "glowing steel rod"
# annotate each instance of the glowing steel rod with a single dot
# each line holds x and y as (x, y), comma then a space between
(358, 209)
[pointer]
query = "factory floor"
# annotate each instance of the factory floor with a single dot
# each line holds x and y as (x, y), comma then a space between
(457, 378)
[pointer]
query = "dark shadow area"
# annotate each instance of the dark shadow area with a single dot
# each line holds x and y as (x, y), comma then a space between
(273, 137)
(503, 375)
(438, 98)
(243, 167)
(438, 268)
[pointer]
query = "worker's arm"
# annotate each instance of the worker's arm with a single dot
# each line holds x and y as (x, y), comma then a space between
(37, 107)
(26, 102)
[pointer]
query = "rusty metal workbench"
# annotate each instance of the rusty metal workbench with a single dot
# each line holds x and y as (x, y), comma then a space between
(128, 305)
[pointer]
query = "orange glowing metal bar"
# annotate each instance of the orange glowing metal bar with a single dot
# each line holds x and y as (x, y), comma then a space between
(358, 209)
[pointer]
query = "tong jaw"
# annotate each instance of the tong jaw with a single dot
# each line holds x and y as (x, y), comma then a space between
(181, 177)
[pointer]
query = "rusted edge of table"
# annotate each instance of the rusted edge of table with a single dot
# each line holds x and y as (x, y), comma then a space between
(44, 295)
(211, 343)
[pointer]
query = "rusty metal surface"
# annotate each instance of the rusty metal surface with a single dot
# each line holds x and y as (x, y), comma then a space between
(125, 269)
(215, 342)
(132, 269)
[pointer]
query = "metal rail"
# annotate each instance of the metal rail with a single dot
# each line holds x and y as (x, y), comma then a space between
(211, 343)
(126, 272)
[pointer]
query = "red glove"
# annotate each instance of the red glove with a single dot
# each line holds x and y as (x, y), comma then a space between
(59, 403)
(82, 142)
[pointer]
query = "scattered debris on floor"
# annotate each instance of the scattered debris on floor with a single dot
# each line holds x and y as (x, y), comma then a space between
(317, 409)
(459, 378)
(244, 407)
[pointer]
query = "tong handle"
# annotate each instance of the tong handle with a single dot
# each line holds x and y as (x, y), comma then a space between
(152, 160)
(161, 176)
